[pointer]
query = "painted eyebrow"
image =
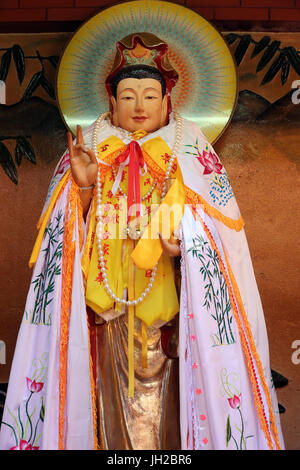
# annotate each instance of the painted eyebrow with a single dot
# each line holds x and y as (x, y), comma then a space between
(146, 89)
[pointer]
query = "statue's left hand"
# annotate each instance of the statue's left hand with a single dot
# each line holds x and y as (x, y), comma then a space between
(169, 249)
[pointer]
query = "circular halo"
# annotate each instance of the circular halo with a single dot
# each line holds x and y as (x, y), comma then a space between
(206, 91)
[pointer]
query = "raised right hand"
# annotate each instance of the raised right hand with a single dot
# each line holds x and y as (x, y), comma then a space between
(84, 164)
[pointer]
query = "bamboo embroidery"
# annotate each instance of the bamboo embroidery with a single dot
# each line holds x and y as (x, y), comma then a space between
(216, 293)
(44, 282)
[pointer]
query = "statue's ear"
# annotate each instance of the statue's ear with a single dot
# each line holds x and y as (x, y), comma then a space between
(164, 110)
(114, 111)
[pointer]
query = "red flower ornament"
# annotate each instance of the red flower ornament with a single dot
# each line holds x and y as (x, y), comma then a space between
(24, 445)
(234, 402)
(210, 162)
(34, 386)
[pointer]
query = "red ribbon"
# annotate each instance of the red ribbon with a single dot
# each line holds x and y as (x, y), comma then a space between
(136, 160)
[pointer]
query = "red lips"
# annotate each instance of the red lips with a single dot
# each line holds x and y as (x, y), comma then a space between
(139, 118)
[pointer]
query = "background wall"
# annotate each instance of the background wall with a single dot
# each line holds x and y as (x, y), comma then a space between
(260, 150)
(78, 10)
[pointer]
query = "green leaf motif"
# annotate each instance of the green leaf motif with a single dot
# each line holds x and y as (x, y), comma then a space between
(33, 84)
(294, 59)
(42, 412)
(228, 430)
(26, 149)
(19, 60)
(268, 55)
(231, 37)
(242, 48)
(275, 67)
(5, 63)
(48, 87)
(7, 163)
(53, 59)
(260, 46)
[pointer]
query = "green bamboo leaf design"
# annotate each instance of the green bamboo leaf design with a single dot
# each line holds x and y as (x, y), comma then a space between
(18, 154)
(242, 48)
(7, 163)
(260, 46)
(285, 70)
(48, 87)
(5, 63)
(228, 430)
(275, 67)
(42, 412)
(231, 37)
(294, 59)
(19, 60)
(53, 59)
(33, 84)
(26, 149)
(268, 55)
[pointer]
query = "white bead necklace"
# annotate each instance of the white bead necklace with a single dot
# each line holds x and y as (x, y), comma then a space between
(99, 230)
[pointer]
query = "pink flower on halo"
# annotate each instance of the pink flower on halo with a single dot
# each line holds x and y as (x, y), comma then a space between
(210, 162)
(24, 445)
(34, 386)
(235, 401)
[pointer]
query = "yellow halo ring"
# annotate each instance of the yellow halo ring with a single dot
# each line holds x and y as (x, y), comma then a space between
(206, 91)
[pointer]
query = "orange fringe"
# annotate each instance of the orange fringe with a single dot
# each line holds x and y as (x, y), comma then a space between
(67, 281)
(67, 278)
(257, 395)
(254, 353)
(191, 197)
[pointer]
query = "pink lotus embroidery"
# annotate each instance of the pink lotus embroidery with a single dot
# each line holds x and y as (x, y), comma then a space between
(34, 386)
(234, 402)
(210, 162)
(24, 445)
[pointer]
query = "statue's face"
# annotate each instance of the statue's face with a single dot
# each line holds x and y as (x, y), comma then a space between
(139, 105)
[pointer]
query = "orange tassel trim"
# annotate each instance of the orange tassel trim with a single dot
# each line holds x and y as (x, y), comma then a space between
(254, 353)
(191, 197)
(73, 208)
(248, 352)
(67, 278)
